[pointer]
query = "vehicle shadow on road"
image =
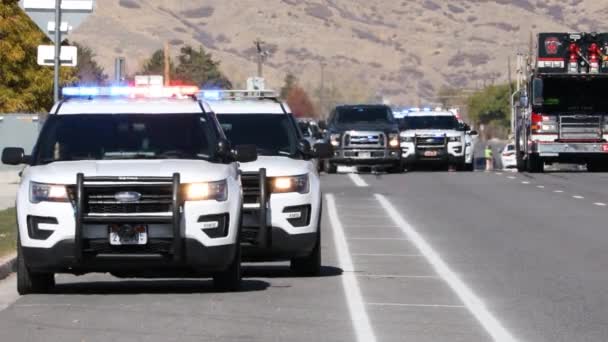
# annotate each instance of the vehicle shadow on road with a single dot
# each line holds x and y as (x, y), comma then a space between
(129, 287)
(280, 271)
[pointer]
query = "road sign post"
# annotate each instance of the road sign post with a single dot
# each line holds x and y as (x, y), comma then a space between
(57, 50)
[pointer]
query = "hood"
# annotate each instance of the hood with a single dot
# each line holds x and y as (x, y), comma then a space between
(385, 127)
(278, 166)
(431, 132)
(190, 170)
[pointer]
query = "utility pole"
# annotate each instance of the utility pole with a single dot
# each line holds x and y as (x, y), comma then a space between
(261, 56)
(167, 73)
(322, 88)
(57, 50)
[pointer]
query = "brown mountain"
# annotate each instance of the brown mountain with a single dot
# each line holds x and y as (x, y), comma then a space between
(403, 49)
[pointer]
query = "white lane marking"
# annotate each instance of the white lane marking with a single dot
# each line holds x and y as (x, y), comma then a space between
(558, 191)
(475, 305)
(525, 182)
(356, 307)
(386, 255)
(578, 197)
(600, 204)
(8, 292)
(357, 180)
(499, 173)
(540, 186)
(512, 177)
(375, 238)
(397, 276)
(418, 305)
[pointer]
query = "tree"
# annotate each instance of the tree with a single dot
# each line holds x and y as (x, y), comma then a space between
(290, 82)
(24, 85)
(198, 67)
(490, 105)
(88, 71)
(300, 103)
(155, 65)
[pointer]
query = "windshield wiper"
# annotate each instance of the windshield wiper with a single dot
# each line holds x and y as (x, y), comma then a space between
(129, 155)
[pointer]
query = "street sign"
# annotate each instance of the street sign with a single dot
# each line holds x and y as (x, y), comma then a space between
(68, 55)
(42, 12)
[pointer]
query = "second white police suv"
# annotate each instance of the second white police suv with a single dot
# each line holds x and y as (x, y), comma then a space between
(129, 185)
(282, 190)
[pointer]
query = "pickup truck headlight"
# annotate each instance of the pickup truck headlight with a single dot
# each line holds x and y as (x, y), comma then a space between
(407, 139)
(455, 139)
(40, 192)
(282, 185)
(334, 139)
(393, 140)
(206, 191)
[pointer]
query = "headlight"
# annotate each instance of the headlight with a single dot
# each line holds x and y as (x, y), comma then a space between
(455, 139)
(407, 139)
(206, 191)
(40, 192)
(393, 140)
(334, 139)
(299, 184)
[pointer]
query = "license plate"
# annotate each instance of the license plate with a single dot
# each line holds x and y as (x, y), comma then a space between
(128, 235)
(430, 153)
(365, 154)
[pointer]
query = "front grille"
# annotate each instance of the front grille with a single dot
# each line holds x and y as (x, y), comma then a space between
(364, 139)
(585, 127)
(154, 199)
(251, 187)
(431, 142)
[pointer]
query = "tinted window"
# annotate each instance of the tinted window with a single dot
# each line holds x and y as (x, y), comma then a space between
(102, 137)
(575, 95)
(429, 122)
(348, 115)
(273, 134)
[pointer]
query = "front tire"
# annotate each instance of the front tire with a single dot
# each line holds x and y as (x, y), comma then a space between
(535, 164)
(330, 168)
(597, 166)
(230, 279)
(309, 265)
(469, 167)
(28, 282)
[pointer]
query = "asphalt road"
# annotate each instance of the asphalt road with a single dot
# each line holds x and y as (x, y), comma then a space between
(414, 257)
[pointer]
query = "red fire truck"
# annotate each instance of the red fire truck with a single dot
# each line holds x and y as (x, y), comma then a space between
(562, 115)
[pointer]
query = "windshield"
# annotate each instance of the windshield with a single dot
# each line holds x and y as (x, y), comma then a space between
(429, 122)
(364, 114)
(563, 95)
(272, 134)
(132, 136)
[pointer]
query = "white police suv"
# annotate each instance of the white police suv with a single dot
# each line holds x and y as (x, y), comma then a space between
(432, 137)
(282, 190)
(124, 183)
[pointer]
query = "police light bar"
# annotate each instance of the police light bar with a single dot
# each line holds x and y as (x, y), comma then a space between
(132, 92)
(219, 95)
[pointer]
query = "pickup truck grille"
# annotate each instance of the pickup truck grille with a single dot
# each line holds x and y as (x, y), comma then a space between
(364, 139)
(154, 199)
(430, 142)
(251, 187)
(580, 127)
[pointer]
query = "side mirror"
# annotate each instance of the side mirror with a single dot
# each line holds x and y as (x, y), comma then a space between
(322, 124)
(474, 132)
(304, 147)
(245, 153)
(323, 151)
(223, 147)
(14, 156)
(523, 101)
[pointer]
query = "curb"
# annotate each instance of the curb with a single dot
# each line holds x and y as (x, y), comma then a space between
(7, 265)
